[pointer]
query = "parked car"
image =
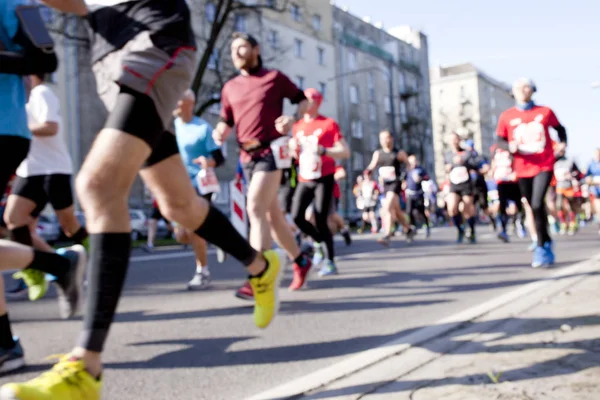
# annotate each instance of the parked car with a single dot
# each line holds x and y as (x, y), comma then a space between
(139, 224)
(48, 228)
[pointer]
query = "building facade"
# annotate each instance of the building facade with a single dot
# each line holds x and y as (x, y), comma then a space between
(467, 101)
(383, 83)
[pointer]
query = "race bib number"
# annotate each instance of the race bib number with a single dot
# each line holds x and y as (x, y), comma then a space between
(208, 182)
(530, 137)
(387, 174)
(310, 165)
(281, 152)
(562, 174)
(459, 175)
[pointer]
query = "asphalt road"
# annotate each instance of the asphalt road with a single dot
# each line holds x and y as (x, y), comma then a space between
(168, 343)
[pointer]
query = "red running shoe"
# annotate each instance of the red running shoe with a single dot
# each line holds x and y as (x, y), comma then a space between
(245, 292)
(300, 274)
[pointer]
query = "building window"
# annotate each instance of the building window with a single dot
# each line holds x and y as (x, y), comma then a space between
(210, 10)
(493, 102)
(270, 3)
(321, 55)
(403, 112)
(323, 89)
(213, 61)
(386, 104)
(215, 109)
(358, 161)
(462, 91)
(240, 23)
(298, 48)
(372, 112)
(356, 129)
(296, 13)
(494, 120)
(317, 22)
(273, 38)
(351, 60)
(354, 98)
(401, 82)
(300, 81)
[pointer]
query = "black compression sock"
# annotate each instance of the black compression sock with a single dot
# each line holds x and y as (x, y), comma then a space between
(109, 260)
(79, 236)
(458, 220)
(6, 336)
(50, 263)
(218, 230)
(22, 235)
(471, 222)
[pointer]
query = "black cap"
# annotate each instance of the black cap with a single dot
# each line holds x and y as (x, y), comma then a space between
(247, 37)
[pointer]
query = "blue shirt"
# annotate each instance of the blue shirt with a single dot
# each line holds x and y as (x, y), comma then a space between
(194, 140)
(413, 187)
(13, 117)
(594, 169)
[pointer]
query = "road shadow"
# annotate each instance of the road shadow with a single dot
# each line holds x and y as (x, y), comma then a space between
(587, 355)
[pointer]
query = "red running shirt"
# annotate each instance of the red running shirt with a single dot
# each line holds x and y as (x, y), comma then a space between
(530, 130)
(321, 131)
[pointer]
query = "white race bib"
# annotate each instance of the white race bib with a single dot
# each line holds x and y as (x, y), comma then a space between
(493, 195)
(387, 174)
(596, 180)
(360, 204)
(459, 175)
(562, 174)
(208, 182)
(310, 165)
(530, 137)
(281, 152)
(503, 174)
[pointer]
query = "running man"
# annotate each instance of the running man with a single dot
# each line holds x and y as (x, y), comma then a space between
(524, 131)
(318, 143)
(253, 103)
(388, 160)
(508, 187)
(478, 177)
(368, 191)
(140, 74)
(593, 179)
(200, 155)
(460, 164)
(15, 139)
(567, 176)
(415, 196)
(43, 177)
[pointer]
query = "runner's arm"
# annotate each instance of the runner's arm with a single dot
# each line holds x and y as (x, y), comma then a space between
(44, 129)
(402, 156)
(374, 161)
(69, 6)
(340, 173)
(339, 151)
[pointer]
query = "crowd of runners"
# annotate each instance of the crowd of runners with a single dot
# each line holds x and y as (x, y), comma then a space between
(291, 166)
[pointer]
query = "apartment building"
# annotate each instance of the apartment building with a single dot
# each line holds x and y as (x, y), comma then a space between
(465, 100)
(383, 83)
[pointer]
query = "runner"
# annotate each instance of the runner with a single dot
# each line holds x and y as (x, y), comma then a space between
(508, 187)
(285, 194)
(593, 179)
(153, 221)
(524, 131)
(318, 142)
(43, 177)
(388, 160)
(141, 74)
(253, 102)
(334, 220)
(15, 140)
(200, 155)
(415, 196)
(368, 192)
(460, 164)
(567, 176)
(478, 178)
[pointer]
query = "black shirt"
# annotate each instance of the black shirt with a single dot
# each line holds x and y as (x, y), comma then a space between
(167, 21)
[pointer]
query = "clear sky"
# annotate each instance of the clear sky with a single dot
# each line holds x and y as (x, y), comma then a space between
(555, 42)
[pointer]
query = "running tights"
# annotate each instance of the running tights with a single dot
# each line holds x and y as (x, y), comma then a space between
(415, 206)
(534, 189)
(321, 191)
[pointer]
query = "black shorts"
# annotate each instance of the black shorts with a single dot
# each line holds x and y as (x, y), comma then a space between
(43, 189)
(263, 164)
(481, 196)
(464, 189)
(369, 209)
(395, 187)
(285, 194)
(509, 191)
(2, 223)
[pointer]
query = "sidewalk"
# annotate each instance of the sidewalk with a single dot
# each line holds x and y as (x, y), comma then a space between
(545, 345)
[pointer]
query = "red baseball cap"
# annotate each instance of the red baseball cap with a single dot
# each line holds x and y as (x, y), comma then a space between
(314, 94)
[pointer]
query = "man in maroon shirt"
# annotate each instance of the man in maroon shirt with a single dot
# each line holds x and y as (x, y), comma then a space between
(253, 103)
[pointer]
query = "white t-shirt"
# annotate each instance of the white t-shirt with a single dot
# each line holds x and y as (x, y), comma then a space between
(48, 154)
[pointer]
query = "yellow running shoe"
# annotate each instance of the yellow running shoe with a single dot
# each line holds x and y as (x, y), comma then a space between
(266, 290)
(35, 281)
(68, 379)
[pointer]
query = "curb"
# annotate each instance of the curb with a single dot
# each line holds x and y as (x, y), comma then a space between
(319, 379)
